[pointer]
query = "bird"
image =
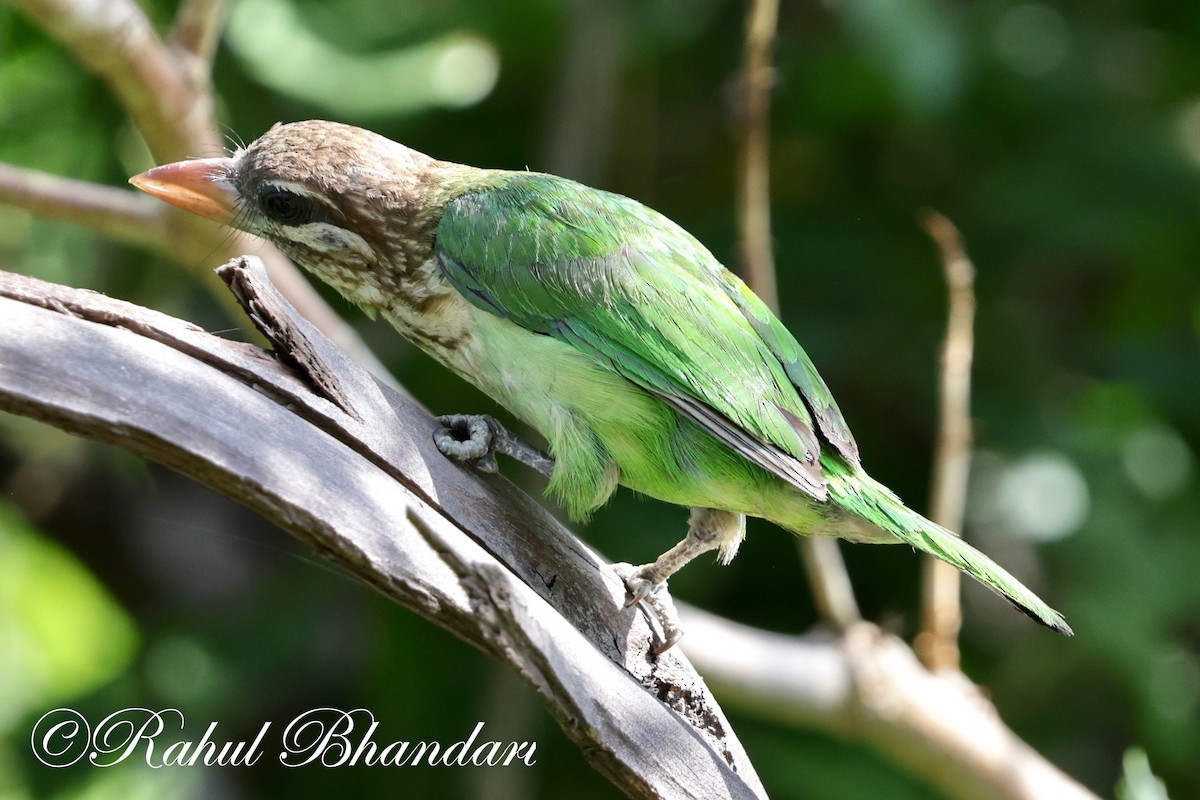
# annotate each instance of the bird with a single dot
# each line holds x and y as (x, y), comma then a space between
(615, 334)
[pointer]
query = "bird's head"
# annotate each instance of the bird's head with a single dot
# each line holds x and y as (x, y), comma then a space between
(353, 207)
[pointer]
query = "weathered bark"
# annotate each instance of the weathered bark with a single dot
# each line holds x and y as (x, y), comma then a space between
(348, 465)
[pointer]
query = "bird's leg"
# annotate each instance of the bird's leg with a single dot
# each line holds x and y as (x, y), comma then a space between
(476, 438)
(708, 529)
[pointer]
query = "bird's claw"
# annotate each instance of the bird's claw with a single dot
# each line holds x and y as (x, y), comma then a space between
(655, 601)
(475, 439)
(639, 589)
(468, 438)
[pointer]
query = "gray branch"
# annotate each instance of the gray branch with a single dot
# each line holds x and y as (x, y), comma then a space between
(348, 465)
(868, 686)
(166, 90)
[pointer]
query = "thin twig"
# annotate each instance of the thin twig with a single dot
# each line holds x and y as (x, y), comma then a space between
(753, 187)
(829, 580)
(937, 644)
(118, 213)
(197, 29)
(116, 42)
(823, 562)
(167, 94)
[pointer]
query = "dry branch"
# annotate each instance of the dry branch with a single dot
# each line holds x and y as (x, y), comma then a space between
(941, 609)
(868, 686)
(348, 465)
(197, 30)
(365, 486)
(754, 141)
(113, 212)
(823, 563)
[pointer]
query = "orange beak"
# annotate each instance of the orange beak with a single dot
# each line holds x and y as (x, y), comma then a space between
(200, 186)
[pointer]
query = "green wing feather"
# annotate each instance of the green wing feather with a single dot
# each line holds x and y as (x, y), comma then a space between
(796, 363)
(640, 295)
(644, 298)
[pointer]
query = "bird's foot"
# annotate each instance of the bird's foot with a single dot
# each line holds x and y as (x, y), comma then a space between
(476, 438)
(467, 438)
(655, 601)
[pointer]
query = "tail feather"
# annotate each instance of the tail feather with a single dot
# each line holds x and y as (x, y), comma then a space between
(873, 501)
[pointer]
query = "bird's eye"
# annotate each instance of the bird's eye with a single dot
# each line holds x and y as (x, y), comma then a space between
(286, 208)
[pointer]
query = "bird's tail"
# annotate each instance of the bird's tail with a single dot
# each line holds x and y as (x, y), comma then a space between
(875, 502)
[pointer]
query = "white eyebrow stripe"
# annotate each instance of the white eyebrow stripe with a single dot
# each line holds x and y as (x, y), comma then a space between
(294, 188)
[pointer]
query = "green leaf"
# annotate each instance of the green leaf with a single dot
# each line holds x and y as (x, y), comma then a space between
(61, 633)
(1137, 781)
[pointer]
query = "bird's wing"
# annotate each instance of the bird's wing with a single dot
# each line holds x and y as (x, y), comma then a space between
(641, 296)
(796, 363)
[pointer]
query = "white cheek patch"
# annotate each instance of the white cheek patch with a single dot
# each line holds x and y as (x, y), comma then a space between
(325, 237)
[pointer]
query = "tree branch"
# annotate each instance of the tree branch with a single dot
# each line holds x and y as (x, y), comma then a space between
(168, 95)
(867, 685)
(937, 644)
(361, 481)
(117, 43)
(348, 465)
(823, 563)
(754, 139)
(197, 30)
(113, 212)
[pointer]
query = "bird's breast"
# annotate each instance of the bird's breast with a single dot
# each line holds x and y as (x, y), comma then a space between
(432, 314)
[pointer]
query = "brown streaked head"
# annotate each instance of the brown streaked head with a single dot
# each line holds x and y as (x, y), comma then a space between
(353, 207)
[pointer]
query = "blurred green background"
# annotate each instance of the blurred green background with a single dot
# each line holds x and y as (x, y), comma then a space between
(1064, 141)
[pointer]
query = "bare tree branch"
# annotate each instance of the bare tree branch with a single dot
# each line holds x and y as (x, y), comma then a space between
(116, 42)
(348, 465)
(113, 212)
(754, 176)
(937, 644)
(823, 563)
(197, 30)
(867, 685)
(364, 485)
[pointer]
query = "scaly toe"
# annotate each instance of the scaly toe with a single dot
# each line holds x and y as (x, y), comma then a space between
(636, 583)
(466, 438)
(656, 603)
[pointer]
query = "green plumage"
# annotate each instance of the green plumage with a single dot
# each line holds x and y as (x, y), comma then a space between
(645, 301)
(599, 322)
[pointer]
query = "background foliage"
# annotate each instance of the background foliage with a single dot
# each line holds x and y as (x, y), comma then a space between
(1063, 140)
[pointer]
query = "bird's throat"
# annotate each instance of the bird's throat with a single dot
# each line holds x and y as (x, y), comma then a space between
(427, 311)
